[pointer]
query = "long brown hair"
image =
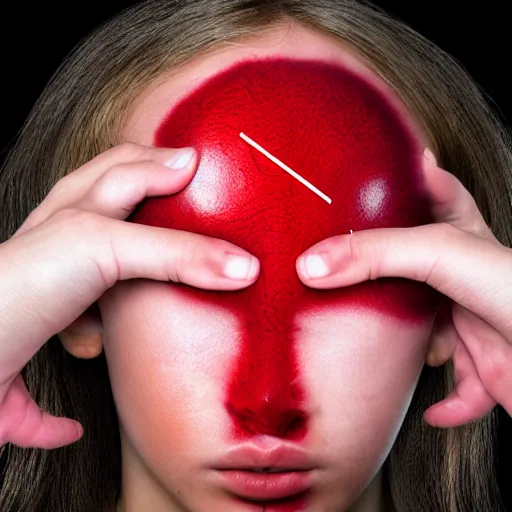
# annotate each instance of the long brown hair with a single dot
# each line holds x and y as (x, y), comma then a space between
(78, 116)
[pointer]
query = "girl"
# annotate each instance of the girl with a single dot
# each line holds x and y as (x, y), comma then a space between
(174, 415)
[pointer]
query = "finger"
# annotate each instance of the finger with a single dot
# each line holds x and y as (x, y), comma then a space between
(491, 353)
(451, 202)
(80, 255)
(444, 337)
(469, 401)
(24, 424)
(128, 152)
(73, 187)
(117, 193)
(470, 270)
(172, 255)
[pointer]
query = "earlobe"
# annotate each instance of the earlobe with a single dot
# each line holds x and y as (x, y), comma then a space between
(84, 337)
(444, 337)
(82, 346)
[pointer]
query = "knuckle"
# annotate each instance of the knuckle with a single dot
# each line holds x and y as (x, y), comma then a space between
(89, 236)
(116, 183)
(54, 197)
(31, 220)
(445, 235)
(62, 185)
(128, 174)
(480, 394)
(445, 231)
(78, 226)
(374, 266)
(117, 173)
(60, 189)
(495, 372)
(75, 217)
(188, 257)
(428, 275)
(354, 246)
(360, 251)
(129, 151)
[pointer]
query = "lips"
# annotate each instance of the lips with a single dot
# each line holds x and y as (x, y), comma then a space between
(260, 486)
(255, 473)
(277, 456)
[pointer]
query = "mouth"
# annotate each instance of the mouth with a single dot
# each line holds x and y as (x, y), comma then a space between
(268, 471)
(255, 473)
(260, 486)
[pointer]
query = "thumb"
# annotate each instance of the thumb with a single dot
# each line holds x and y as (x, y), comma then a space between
(24, 424)
(472, 271)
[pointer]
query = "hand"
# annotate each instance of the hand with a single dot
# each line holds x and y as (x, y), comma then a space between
(73, 247)
(460, 257)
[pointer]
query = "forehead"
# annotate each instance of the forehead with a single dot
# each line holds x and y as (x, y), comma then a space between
(332, 124)
(290, 41)
(334, 128)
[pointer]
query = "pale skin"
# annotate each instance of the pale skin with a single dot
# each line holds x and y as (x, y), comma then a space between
(458, 255)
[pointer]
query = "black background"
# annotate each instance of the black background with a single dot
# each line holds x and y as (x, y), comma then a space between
(35, 37)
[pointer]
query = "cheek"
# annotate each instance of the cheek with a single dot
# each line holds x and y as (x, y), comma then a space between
(362, 370)
(367, 348)
(167, 362)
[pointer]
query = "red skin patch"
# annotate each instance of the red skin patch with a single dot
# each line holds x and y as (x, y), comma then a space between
(340, 133)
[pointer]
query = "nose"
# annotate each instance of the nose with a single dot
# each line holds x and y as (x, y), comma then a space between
(265, 393)
(271, 412)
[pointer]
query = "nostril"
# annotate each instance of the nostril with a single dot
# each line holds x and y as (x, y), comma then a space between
(293, 423)
(270, 420)
(297, 423)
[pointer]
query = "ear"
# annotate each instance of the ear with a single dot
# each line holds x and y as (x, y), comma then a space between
(84, 337)
(444, 336)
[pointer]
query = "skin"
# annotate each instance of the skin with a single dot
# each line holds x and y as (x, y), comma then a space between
(170, 379)
(275, 218)
(457, 255)
(173, 354)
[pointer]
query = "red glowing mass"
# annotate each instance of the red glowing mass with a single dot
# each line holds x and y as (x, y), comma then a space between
(341, 134)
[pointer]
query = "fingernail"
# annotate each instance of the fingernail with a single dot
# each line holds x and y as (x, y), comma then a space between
(240, 267)
(316, 266)
(180, 159)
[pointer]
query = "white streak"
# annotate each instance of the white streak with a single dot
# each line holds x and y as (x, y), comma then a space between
(285, 168)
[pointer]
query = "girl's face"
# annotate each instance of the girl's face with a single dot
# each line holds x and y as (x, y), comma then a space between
(276, 398)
